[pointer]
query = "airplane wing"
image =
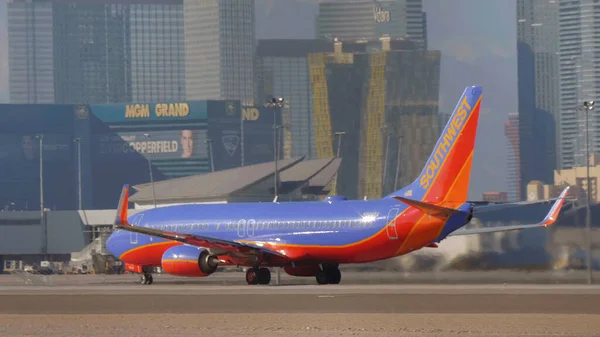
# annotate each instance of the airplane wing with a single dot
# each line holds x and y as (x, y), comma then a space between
(548, 220)
(191, 239)
(485, 206)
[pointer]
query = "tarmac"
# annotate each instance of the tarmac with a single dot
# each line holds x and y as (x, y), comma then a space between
(178, 307)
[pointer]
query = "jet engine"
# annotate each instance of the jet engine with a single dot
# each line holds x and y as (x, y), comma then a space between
(189, 261)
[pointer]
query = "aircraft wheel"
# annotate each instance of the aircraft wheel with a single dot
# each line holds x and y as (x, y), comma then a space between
(322, 277)
(252, 276)
(264, 276)
(334, 276)
(146, 279)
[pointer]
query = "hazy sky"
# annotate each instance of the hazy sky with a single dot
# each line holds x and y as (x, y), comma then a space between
(478, 43)
(479, 48)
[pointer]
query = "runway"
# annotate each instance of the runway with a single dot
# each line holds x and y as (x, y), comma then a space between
(140, 299)
(299, 310)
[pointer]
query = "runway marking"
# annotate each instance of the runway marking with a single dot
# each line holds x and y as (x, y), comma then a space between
(325, 296)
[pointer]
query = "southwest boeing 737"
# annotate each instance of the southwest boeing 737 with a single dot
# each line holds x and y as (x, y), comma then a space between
(313, 238)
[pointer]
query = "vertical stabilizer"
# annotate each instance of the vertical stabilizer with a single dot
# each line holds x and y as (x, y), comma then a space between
(445, 177)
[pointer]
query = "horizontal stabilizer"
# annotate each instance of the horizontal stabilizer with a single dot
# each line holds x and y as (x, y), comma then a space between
(433, 210)
(547, 221)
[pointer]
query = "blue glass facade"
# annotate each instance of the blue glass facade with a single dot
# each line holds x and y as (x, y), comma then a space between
(118, 142)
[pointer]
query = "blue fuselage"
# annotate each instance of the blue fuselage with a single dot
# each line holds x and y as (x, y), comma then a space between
(325, 224)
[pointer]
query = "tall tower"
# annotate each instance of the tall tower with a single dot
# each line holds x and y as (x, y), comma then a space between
(513, 162)
(283, 71)
(219, 49)
(537, 48)
(579, 78)
(95, 51)
(370, 19)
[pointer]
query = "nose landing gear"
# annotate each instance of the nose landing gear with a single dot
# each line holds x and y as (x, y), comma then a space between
(146, 278)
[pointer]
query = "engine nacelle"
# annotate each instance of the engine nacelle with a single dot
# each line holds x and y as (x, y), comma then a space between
(302, 271)
(189, 261)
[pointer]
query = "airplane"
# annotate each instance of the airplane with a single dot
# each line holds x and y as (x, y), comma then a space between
(311, 239)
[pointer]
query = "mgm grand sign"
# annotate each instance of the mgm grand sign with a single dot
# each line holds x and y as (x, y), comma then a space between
(160, 110)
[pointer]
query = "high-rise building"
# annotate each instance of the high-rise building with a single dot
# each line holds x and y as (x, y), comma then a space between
(157, 51)
(579, 78)
(537, 49)
(511, 131)
(386, 101)
(219, 49)
(282, 71)
(31, 51)
(371, 19)
(99, 51)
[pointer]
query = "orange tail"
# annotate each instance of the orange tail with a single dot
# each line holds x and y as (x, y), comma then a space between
(445, 177)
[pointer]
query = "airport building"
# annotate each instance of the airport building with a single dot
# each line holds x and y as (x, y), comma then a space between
(79, 235)
(116, 144)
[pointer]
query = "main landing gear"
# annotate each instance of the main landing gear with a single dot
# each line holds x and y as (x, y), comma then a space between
(258, 276)
(329, 274)
(146, 278)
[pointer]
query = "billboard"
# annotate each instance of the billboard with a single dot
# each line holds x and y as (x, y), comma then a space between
(174, 138)
(155, 145)
(258, 134)
(140, 112)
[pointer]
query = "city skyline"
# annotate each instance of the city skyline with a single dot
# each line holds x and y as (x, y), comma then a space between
(464, 62)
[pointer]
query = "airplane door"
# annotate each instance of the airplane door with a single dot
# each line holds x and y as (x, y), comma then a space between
(133, 237)
(391, 224)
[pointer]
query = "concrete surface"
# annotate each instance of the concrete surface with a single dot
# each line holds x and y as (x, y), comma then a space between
(348, 277)
(83, 306)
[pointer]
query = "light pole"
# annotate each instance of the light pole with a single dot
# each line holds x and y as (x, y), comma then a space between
(275, 103)
(147, 135)
(212, 164)
(42, 218)
(276, 148)
(78, 141)
(398, 162)
(588, 106)
(340, 134)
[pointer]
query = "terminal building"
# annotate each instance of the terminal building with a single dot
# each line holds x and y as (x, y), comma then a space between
(75, 235)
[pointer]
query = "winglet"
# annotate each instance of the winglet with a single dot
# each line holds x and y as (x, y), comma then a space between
(555, 210)
(121, 218)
